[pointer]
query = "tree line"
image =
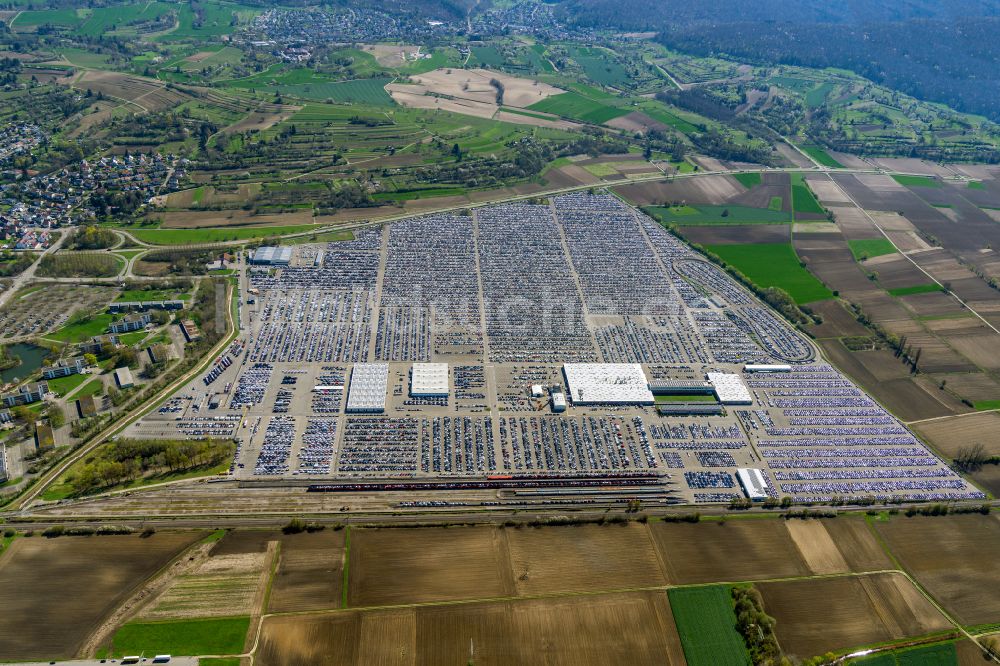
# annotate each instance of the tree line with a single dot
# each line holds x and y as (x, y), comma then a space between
(127, 460)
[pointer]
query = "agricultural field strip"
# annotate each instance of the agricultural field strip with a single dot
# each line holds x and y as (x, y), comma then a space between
(593, 593)
(653, 177)
(953, 416)
(651, 588)
(872, 219)
(597, 592)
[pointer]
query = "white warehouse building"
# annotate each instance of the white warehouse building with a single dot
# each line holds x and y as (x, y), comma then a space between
(429, 380)
(272, 256)
(607, 384)
(730, 389)
(369, 382)
(753, 482)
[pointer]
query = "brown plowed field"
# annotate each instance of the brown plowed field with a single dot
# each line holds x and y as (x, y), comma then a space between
(310, 572)
(817, 547)
(703, 190)
(955, 559)
(831, 614)
(857, 544)
(635, 628)
(974, 386)
(979, 347)
(55, 592)
(950, 435)
(425, 564)
(734, 550)
(837, 321)
(582, 557)
(637, 122)
(742, 233)
(882, 375)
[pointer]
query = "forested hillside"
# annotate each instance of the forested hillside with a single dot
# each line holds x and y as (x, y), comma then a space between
(943, 52)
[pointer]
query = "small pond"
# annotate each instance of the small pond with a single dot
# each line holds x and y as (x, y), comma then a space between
(31, 360)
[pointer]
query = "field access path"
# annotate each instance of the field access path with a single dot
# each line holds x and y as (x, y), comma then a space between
(882, 231)
(876, 574)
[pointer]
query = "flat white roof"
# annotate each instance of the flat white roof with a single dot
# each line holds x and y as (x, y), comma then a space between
(273, 255)
(753, 482)
(123, 376)
(429, 379)
(730, 388)
(760, 367)
(607, 383)
(369, 382)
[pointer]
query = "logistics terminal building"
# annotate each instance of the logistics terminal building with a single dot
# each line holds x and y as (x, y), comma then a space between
(607, 384)
(429, 380)
(368, 387)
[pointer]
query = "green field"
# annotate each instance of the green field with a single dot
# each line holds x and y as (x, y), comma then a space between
(307, 84)
(793, 83)
(93, 387)
(773, 265)
(488, 55)
(129, 339)
(426, 193)
(820, 156)
(217, 19)
(803, 200)
(600, 66)
(706, 623)
(748, 180)
(818, 95)
(536, 56)
(82, 58)
(440, 57)
(111, 19)
(917, 181)
(870, 247)
(937, 654)
(976, 185)
(684, 397)
(61, 17)
(522, 112)
(578, 107)
(708, 215)
(983, 405)
(78, 330)
(658, 111)
(63, 385)
(216, 235)
(358, 91)
(916, 289)
(182, 637)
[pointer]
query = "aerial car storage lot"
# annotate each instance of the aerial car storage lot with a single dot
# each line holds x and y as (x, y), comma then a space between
(514, 298)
